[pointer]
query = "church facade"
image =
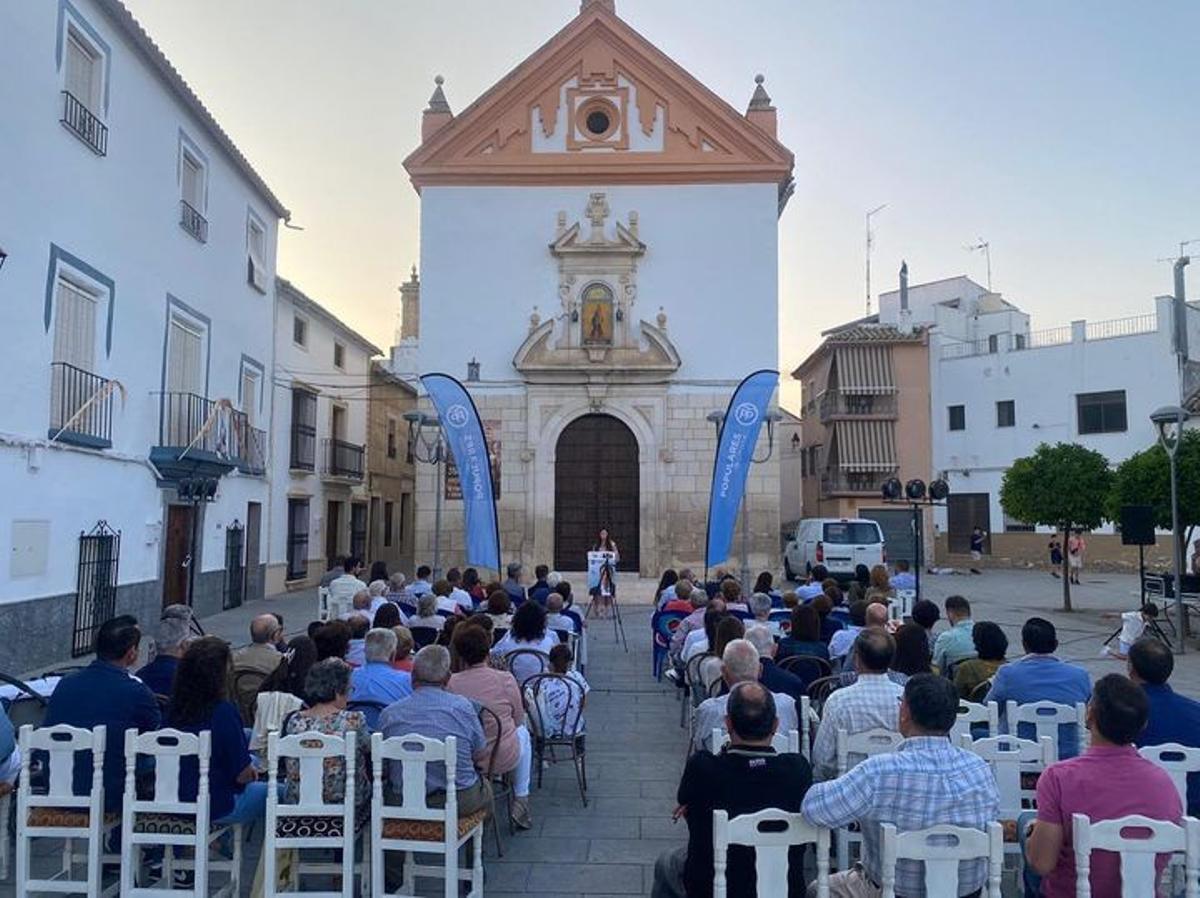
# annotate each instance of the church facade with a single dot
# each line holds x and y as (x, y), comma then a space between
(599, 256)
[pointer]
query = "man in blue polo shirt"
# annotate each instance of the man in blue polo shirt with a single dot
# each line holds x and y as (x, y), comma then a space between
(1041, 677)
(1173, 717)
(105, 692)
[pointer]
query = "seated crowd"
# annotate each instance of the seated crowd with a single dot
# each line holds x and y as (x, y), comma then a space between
(895, 675)
(355, 672)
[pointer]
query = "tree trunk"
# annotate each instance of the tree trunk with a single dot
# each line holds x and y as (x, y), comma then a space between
(1066, 569)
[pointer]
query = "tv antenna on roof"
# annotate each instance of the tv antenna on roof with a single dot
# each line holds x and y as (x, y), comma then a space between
(986, 248)
(870, 245)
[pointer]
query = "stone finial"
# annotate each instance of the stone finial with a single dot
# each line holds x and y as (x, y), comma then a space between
(535, 319)
(760, 111)
(437, 114)
(661, 318)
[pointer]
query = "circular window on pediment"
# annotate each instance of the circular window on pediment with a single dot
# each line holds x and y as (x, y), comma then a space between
(597, 119)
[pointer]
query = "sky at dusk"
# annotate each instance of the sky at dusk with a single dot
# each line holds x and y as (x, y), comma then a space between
(1066, 134)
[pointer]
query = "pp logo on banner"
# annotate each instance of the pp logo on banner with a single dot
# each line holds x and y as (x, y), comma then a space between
(746, 414)
(457, 416)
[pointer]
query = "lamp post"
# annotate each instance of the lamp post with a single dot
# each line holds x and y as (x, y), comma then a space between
(426, 446)
(1169, 421)
(915, 494)
(717, 419)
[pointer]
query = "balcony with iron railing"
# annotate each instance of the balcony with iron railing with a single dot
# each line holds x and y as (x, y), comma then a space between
(342, 459)
(838, 404)
(192, 221)
(854, 483)
(84, 124)
(81, 407)
(207, 430)
(1084, 331)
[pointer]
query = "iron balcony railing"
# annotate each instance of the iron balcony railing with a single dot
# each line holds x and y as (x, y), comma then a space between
(854, 482)
(81, 406)
(84, 124)
(192, 221)
(837, 404)
(342, 459)
(201, 425)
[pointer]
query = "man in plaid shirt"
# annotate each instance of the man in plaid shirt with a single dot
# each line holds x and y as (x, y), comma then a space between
(925, 782)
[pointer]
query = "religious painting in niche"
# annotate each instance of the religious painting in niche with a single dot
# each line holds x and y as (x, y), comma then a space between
(597, 316)
(491, 433)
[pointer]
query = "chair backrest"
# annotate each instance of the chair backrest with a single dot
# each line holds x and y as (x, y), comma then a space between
(663, 624)
(1047, 717)
(941, 849)
(980, 693)
(1009, 757)
(782, 618)
(310, 751)
(409, 608)
(492, 729)
(971, 715)
(1177, 760)
(168, 748)
(414, 754)
(783, 743)
(905, 598)
(691, 677)
(323, 612)
(819, 690)
(23, 711)
(526, 663)
(1138, 840)
(809, 668)
(852, 748)
(61, 744)
(770, 833)
(423, 636)
(370, 711)
(554, 705)
(809, 721)
(895, 613)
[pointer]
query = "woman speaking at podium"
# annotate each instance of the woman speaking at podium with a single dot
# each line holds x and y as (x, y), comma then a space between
(604, 592)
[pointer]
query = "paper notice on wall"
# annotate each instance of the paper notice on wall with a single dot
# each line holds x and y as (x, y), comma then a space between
(491, 432)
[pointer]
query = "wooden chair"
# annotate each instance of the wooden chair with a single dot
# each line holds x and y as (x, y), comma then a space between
(940, 849)
(852, 749)
(783, 743)
(413, 826)
(552, 729)
(167, 819)
(312, 822)
(1046, 718)
(58, 813)
(771, 833)
(970, 715)
(1139, 875)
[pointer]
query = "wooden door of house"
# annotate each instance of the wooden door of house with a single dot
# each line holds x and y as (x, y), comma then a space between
(177, 554)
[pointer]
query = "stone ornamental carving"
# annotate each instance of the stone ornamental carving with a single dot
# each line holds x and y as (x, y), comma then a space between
(594, 336)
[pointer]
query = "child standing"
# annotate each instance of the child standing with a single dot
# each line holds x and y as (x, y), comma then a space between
(1133, 625)
(1056, 556)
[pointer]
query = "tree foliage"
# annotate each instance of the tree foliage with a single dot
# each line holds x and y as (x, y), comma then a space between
(1145, 479)
(1064, 486)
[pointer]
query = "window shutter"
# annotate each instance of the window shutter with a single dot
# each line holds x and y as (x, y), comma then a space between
(81, 75)
(184, 371)
(191, 178)
(75, 327)
(249, 395)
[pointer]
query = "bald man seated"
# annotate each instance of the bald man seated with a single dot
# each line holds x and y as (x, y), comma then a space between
(261, 654)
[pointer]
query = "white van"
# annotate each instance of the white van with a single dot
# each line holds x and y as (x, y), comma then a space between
(840, 544)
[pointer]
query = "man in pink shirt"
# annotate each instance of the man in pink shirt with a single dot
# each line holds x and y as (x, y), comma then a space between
(1108, 781)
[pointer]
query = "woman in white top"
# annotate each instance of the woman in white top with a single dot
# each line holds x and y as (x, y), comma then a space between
(528, 631)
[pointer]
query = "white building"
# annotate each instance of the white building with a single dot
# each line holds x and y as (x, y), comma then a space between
(999, 389)
(319, 504)
(600, 232)
(136, 305)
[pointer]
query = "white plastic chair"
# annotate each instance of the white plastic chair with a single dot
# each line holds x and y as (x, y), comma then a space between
(1138, 853)
(851, 750)
(1177, 760)
(5, 857)
(905, 599)
(783, 743)
(336, 830)
(59, 813)
(971, 714)
(941, 849)
(770, 848)
(414, 826)
(323, 611)
(1046, 717)
(166, 819)
(809, 721)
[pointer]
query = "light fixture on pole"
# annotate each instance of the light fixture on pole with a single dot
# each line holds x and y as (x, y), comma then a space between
(772, 417)
(426, 446)
(1169, 421)
(916, 494)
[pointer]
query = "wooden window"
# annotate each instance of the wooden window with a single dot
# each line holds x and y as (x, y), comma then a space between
(83, 71)
(185, 358)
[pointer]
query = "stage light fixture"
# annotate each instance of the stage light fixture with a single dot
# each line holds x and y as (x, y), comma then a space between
(915, 489)
(939, 490)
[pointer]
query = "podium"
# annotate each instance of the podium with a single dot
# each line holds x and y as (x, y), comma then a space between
(601, 572)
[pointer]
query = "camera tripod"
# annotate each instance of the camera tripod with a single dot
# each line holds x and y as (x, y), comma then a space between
(608, 577)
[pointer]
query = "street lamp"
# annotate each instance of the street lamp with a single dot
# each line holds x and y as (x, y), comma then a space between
(717, 419)
(426, 446)
(1170, 420)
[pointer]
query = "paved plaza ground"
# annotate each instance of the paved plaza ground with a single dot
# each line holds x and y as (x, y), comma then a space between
(636, 746)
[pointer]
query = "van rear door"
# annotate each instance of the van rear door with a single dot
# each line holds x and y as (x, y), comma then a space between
(851, 543)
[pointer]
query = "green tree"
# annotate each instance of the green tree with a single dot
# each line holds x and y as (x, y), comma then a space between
(1145, 479)
(1066, 485)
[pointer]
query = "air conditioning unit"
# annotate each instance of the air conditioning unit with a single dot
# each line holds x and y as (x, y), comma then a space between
(256, 275)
